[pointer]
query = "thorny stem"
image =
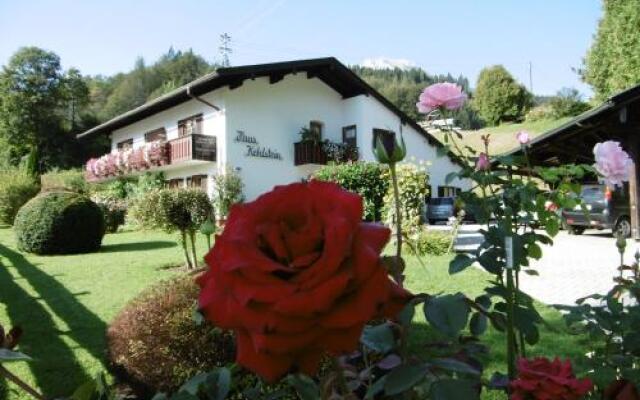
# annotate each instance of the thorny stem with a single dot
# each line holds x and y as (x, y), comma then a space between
(396, 195)
(511, 340)
(343, 388)
(23, 385)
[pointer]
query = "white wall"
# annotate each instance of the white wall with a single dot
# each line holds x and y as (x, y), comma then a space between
(274, 114)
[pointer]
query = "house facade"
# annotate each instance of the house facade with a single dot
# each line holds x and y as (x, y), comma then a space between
(249, 118)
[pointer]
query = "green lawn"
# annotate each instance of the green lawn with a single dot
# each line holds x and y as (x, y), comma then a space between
(503, 136)
(64, 304)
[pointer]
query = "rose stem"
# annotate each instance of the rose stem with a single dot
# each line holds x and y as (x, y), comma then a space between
(342, 382)
(396, 195)
(23, 385)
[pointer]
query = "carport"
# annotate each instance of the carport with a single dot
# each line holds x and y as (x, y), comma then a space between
(618, 118)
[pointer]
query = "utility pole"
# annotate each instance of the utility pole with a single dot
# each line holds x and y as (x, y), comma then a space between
(225, 48)
(531, 77)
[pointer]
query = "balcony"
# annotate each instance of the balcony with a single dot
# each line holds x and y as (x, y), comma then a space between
(153, 156)
(320, 153)
(192, 148)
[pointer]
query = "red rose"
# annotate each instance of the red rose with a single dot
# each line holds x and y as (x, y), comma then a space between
(542, 379)
(621, 390)
(297, 274)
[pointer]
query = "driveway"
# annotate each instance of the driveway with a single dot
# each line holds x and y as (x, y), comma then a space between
(576, 266)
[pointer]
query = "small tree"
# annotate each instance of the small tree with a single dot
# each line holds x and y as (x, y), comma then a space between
(228, 188)
(413, 185)
(499, 97)
(567, 103)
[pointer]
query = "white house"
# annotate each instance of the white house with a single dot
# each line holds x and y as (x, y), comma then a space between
(249, 118)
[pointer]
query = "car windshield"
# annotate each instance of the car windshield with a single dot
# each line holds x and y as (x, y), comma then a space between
(592, 193)
(441, 201)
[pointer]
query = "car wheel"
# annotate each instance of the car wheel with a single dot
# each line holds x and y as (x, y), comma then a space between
(623, 226)
(575, 230)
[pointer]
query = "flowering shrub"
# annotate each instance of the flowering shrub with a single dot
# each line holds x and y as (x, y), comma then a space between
(413, 188)
(118, 162)
(542, 379)
(296, 274)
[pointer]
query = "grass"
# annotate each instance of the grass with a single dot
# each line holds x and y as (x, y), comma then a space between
(503, 136)
(554, 337)
(64, 304)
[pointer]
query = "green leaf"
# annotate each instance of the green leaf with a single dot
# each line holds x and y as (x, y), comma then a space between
(454, 389)
(453, 365)
(484, 301)
(378, 338)
(377, 387)
(404, 378)
(304, 386)
(478, 324)
(442, 151)
(406, 315)
(193, 385)
(219, 384)
(534, 251)
(460, 263)
(7, 355)
(552, 227)
(85, 391)
(448, 314)
(531, 272)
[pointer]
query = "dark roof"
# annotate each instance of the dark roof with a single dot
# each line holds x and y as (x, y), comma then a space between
(331, 71)
(596, 124)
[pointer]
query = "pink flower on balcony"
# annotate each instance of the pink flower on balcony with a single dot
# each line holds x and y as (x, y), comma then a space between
(612, 163)
(441, 95)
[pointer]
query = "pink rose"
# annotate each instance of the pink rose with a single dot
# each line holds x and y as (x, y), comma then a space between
(441, 95)
(523, 137)
(612, 162)
(483, 163)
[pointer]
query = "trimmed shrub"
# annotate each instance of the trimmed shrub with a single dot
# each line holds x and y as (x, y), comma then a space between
(59, 223)
(228, 191)
(429, 242)
(413, 185)
(71, 180)
(16, 188)
(366, 179)
(114, 211)
(154, 343)
(539, 113)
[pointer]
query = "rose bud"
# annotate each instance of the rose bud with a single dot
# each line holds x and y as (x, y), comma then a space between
(483, 163)
(387, 149)
(523, 137)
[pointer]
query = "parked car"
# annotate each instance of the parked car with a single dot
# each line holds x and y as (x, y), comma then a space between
(605, 209)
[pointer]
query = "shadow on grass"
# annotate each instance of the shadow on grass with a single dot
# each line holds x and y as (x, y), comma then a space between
(55, 367)
(139, 246)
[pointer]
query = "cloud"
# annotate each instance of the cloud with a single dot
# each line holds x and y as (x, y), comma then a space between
(388, 63)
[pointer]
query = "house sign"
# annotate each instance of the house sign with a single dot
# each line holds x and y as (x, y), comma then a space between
(254, 149)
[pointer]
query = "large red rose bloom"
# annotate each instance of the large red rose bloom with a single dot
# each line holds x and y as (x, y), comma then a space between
(543, 379)
(297, 274)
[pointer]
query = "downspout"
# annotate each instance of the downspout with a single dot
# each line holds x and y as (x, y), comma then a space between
(203, 101)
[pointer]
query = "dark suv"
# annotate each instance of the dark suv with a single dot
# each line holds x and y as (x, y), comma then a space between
(606, 209)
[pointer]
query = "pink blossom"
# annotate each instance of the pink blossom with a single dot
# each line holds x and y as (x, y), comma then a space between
(523, 137)
(612, 162)
(441, 95)
(483, 163)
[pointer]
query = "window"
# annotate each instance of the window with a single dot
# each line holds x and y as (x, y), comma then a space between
(156, 134)
(316, 129)
(349, 135)
(198, 182)
(175, 183)
(190, 126)
(448, 191)
(125, 144)
(385, 135)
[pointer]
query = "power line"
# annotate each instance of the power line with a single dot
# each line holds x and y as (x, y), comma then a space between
(225, 48)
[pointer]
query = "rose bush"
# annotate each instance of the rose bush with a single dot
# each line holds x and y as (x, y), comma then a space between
(297, 274)
(542, 379)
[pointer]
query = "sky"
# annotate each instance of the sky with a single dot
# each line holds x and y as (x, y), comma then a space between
(445, 36)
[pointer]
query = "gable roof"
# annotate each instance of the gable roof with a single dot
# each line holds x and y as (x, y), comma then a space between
(544, 147)
(329, 70)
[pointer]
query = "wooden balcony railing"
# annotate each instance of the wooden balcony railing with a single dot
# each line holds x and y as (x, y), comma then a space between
(310, 152)
(192, 147)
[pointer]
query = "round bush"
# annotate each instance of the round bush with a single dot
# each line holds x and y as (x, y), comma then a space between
(155, 344)
(59, 223)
